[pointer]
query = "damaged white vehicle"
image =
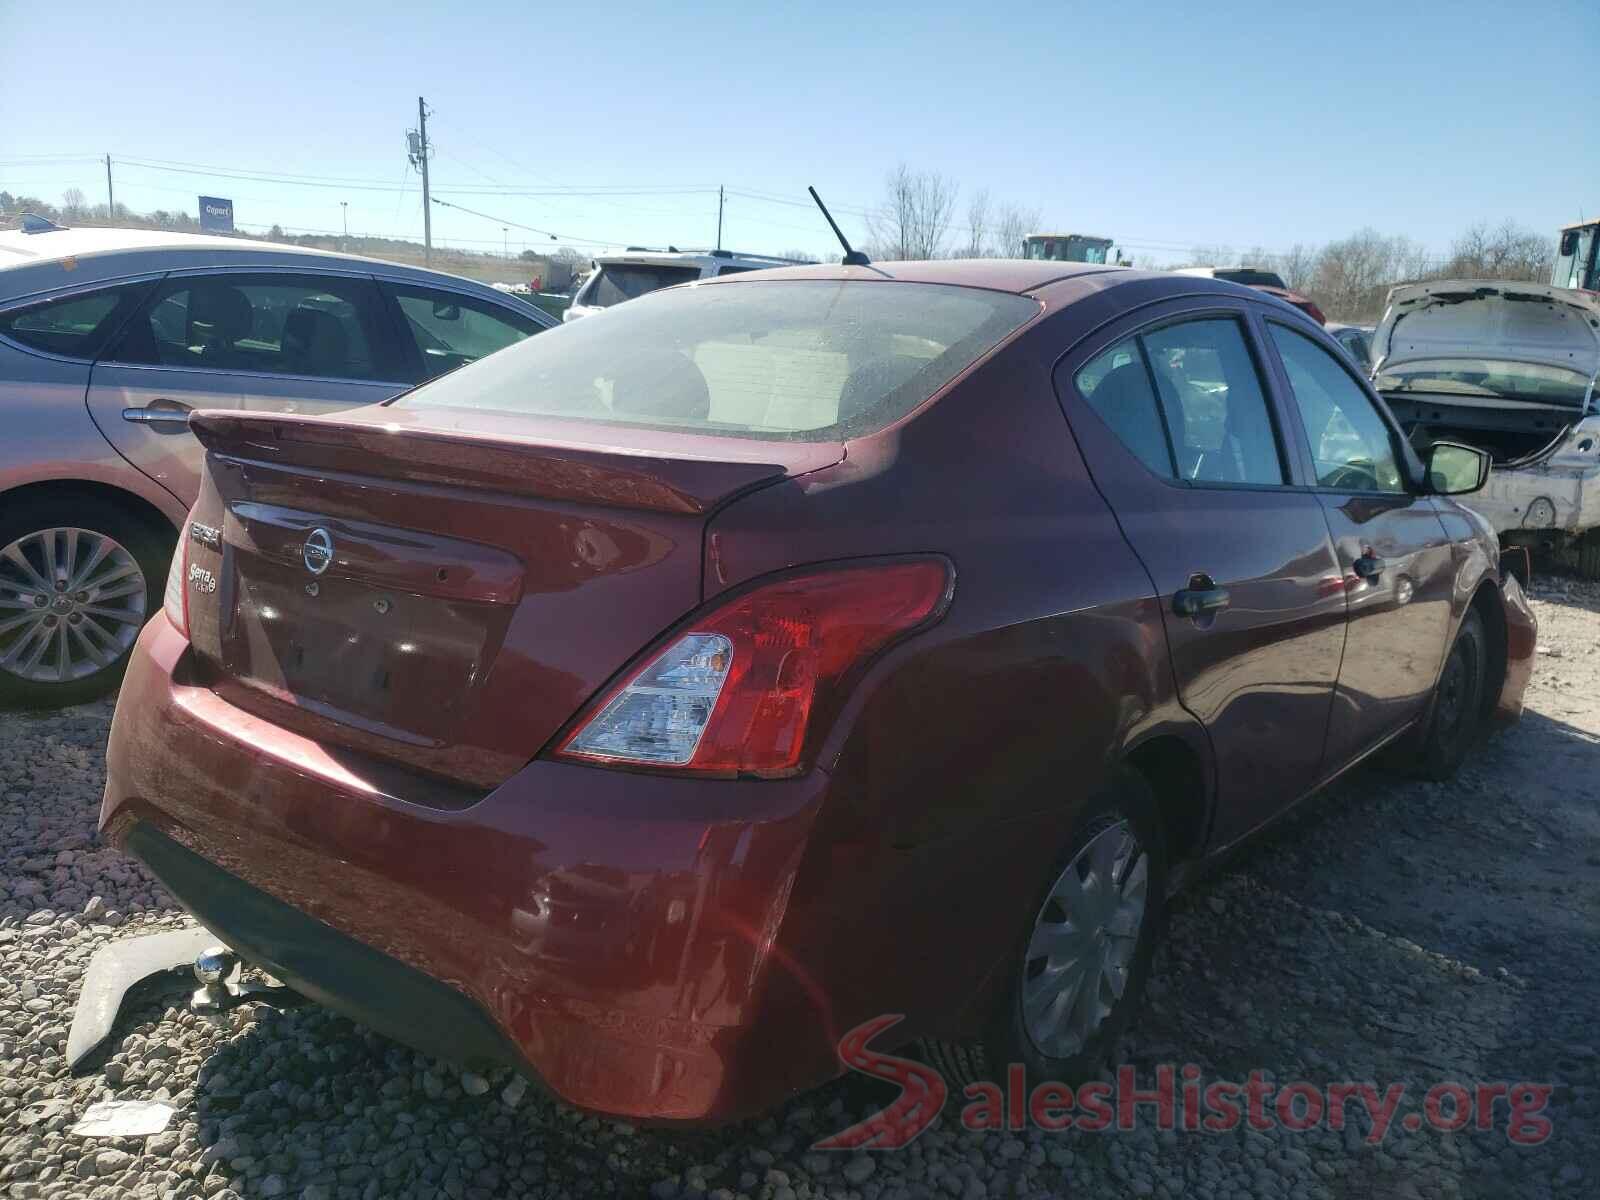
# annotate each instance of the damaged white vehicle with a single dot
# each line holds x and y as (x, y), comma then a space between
(1510, 368)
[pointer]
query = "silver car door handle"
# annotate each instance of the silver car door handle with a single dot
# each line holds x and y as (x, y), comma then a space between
(156, 416)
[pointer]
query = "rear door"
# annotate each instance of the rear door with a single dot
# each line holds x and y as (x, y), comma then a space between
(1183, 442)
(263, 340)
(1395, 557)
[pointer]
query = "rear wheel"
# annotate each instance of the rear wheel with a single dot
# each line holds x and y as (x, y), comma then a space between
(78, 580)
(1080, 965)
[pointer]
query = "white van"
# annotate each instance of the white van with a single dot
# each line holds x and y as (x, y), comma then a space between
(619, 277)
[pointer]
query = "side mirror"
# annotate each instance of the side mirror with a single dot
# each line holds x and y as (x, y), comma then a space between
(446, 312)
(1569, 242)
(1455, 470)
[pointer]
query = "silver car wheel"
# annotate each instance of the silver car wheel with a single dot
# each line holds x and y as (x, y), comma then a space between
(71, 603)
(1083, 942)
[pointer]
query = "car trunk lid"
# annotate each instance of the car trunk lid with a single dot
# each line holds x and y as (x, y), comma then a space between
(1505, 366)
(440, 591)
(1475, 320)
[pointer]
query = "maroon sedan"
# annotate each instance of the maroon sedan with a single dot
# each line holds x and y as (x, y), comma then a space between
(652, 702)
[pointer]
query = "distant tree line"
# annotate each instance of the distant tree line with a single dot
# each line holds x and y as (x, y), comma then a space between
(917, 218)
(1350, 278)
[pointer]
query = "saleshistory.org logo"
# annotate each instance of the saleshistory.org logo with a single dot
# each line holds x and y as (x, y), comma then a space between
(1179, 1100)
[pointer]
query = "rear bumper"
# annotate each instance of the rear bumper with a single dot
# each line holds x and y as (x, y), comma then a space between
(322, 963)
(619, 936)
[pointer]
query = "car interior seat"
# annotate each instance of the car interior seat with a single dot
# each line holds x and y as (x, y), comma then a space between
(662, 384)
(219, 317)
(314, 343)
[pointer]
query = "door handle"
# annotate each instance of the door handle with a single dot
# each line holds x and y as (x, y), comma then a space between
(1369, 567)
(151, 415)
(1199, 601)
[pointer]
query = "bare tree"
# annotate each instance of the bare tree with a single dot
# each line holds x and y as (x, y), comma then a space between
(1215, 255)
(1506, 252)
(72, 203)
(1297, 266)
(977, 226)
(1011, 225)
(915, 215)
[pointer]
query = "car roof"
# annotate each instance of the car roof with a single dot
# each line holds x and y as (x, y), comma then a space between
(17, 247)
(56, 259)
(1058, 284)
(1019, 275)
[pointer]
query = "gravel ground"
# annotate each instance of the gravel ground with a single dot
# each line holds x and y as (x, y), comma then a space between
(1389, 931)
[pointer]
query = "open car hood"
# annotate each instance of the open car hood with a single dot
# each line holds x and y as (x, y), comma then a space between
(1482, 319)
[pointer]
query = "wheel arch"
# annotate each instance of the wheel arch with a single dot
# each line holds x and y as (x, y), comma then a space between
(48, 491)
(1177, 766)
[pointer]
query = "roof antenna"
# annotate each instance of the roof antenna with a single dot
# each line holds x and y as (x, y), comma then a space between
(852, 258)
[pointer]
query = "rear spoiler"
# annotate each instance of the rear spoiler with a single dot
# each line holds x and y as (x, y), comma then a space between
(450, 458)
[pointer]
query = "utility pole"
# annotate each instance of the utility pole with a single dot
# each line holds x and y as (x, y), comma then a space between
(111, 197)
(505, 239)
(344, 209)
(420, 158)
(719, 216)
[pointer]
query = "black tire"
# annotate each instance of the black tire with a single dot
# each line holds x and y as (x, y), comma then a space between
(1455, 713)
(1589, 554)
(1008, 1040)
(148, 546)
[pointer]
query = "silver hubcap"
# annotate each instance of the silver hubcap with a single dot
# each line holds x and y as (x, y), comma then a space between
(1081, 950)
(71, 603)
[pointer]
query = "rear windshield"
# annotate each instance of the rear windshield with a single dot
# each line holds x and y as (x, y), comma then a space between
(799, 359)
(617, 282)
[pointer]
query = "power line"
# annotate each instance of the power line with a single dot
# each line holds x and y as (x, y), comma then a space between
(554, 237)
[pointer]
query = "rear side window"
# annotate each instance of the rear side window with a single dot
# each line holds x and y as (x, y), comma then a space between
(615, 282)
(797, 359)
(1186, 399)
(322, 326)
(1117, 386)
(450, 330)
(76, 326)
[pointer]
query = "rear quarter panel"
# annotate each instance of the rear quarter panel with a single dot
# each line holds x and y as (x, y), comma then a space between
(964, 755)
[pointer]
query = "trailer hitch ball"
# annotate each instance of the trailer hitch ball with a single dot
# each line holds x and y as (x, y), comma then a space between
(214, 964)
(212, 968)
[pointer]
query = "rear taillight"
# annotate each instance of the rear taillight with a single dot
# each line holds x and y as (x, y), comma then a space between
(175, 599)
(735, 693)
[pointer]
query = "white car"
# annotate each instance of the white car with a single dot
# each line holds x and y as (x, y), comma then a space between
(1508, 367)
(619, 277)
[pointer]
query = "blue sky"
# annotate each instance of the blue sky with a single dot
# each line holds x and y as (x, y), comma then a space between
(1164, 125)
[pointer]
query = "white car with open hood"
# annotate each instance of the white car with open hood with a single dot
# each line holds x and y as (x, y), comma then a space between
(1510, 368)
